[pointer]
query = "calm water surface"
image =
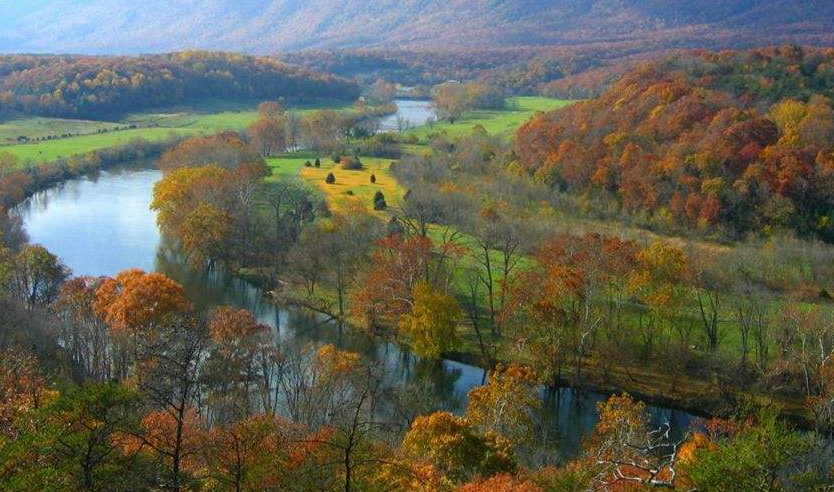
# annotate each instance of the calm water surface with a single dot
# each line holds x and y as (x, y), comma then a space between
(410, 114)
(101, 225)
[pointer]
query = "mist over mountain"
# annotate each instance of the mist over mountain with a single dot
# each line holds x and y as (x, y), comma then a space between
(268, 26)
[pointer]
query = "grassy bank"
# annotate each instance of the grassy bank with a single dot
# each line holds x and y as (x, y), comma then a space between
(504, 122)
(38, 140)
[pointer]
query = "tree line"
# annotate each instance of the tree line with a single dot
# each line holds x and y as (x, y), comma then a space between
(100, 87)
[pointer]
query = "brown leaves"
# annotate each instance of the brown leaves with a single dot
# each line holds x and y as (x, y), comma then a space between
(501, 483)
(399, 264)
(229, 325)
(22, 388)
(135, 300)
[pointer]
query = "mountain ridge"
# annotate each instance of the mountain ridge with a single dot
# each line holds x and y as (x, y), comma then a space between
(271, 26)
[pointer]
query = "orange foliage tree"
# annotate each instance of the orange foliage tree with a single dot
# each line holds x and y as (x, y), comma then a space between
(502, 483)
(453, 446)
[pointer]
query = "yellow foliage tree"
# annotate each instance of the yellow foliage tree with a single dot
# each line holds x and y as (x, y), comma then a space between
(432, 323)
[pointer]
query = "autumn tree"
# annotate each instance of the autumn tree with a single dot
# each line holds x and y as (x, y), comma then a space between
(196, 204)
(84, 333)
(806, 341)
(432, 323)
(340, 247)
(226, 150)
(174, 441)
(74, 443)
(36, 275)
(135, 301)
(14, 181)
(627, 451)
(454, 447)
(168, 374)
(453, 99)
(23, 388)
(325, 130)
(241, 368)
(562, 302)
(501, 483)
(507, 404)
(335, 394)
(249, 454)
(496, 231)
(658, 283)
(12, 233)
(399, 264)
(269, 133)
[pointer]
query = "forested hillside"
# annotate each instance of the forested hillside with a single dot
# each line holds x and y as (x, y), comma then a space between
(90, 87)
(266, 26)
(517, 70)
(730, 142)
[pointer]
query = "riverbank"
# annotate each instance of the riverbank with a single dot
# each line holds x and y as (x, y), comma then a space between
(20, 184)
(696, 396)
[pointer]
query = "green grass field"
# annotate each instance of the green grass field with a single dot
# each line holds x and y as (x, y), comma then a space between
(506, 122)
(55, 149)
(33, 128)
(205, 117)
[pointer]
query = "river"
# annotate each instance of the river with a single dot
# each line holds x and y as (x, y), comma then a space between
(102, 224)
(410, 114)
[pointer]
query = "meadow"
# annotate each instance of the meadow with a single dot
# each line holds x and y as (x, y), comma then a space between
(504, 122)
(203, 117)
(351, 186)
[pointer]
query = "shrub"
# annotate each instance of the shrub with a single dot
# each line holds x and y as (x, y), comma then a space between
(330, 179)
(349, 193)
(351, 164)
(318, 162)
(307, 164)
(379, 201)
(373, 178)
(337, 159)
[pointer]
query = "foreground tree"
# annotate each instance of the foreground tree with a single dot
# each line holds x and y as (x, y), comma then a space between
(454, 447)
(73, 444)
(627, 452)
(757, 453)
(507, 405)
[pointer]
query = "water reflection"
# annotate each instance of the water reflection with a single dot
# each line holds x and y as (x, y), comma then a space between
(103, 225)
(410, 114)
(100, 223)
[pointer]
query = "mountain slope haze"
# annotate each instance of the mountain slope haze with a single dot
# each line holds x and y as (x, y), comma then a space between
(266, 26)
